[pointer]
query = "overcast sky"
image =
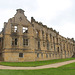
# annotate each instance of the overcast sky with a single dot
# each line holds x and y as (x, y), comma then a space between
(58, 14)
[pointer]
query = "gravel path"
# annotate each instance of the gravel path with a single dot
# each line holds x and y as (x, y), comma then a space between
(38, 67)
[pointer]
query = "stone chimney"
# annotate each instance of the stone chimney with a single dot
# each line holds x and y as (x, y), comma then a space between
(20, 11)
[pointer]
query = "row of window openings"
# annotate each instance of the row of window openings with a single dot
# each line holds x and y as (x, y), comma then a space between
(15, 41)
(38, 34)
(21, 55)
(50, 55)
(25, 30)
(15, 28)
(47, 45)
(38, 55)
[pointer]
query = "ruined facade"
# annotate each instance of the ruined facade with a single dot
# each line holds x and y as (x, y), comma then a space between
(22, 40)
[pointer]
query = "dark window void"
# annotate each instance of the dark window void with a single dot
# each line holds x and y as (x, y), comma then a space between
(53, 40)
(42, 55)
(0, 39)
(38, 44)
(46, 36)
(42, 34)
(14, 41)
(37, 55)
(58, 49)
(47, 45)
(43, 44)
(57, 40)
(25, 42)
(46, 55)
(20, 54)
(50, 38)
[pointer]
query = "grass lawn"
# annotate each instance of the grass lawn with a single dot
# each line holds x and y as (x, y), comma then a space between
(36, 63)
(64, 70)
(69, 66)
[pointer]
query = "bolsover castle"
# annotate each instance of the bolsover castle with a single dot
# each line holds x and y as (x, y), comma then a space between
(22, 40)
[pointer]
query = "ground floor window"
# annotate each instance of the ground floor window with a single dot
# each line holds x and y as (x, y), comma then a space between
(20, 54)
(50, 55)
(37, 55)
(42, 55)
(46, 55)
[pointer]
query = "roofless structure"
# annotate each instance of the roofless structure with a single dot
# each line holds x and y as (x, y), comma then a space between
(22, 40)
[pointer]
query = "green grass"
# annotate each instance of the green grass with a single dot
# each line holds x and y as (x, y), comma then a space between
(36, 63)
(50, 71)
(63, 70)
(69, 66)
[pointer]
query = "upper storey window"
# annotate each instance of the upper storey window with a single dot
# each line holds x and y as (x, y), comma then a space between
(25, 30)
(43, 34)
(51, 37)
(14, 29)
(37, 33)
(14, 41)
(25, 42)
(0, 39)
(46, 36)
(57, 40)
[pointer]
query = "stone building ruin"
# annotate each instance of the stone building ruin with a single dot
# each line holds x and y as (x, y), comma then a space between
(22, 40)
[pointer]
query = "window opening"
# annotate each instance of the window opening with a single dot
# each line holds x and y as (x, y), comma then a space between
(25, 42)
(43, 44)
(37, 55)
(25, 30)
(47, 45)
(46, 55)
(14, 41)
(38, 44)
(14, 28)
(0, 39)
(43, 34)
(20, 54)
(58, 49)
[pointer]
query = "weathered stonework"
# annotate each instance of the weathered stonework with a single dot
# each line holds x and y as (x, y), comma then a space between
(22, 40)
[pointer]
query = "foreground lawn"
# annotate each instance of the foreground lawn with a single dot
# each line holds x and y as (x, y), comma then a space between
(64, 70)
(69, 66)
(36, 63)
(39, 72)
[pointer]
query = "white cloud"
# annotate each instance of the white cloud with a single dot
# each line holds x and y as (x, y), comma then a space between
(51, 8)
(53, 13)
(4, 16)
(66, 30)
